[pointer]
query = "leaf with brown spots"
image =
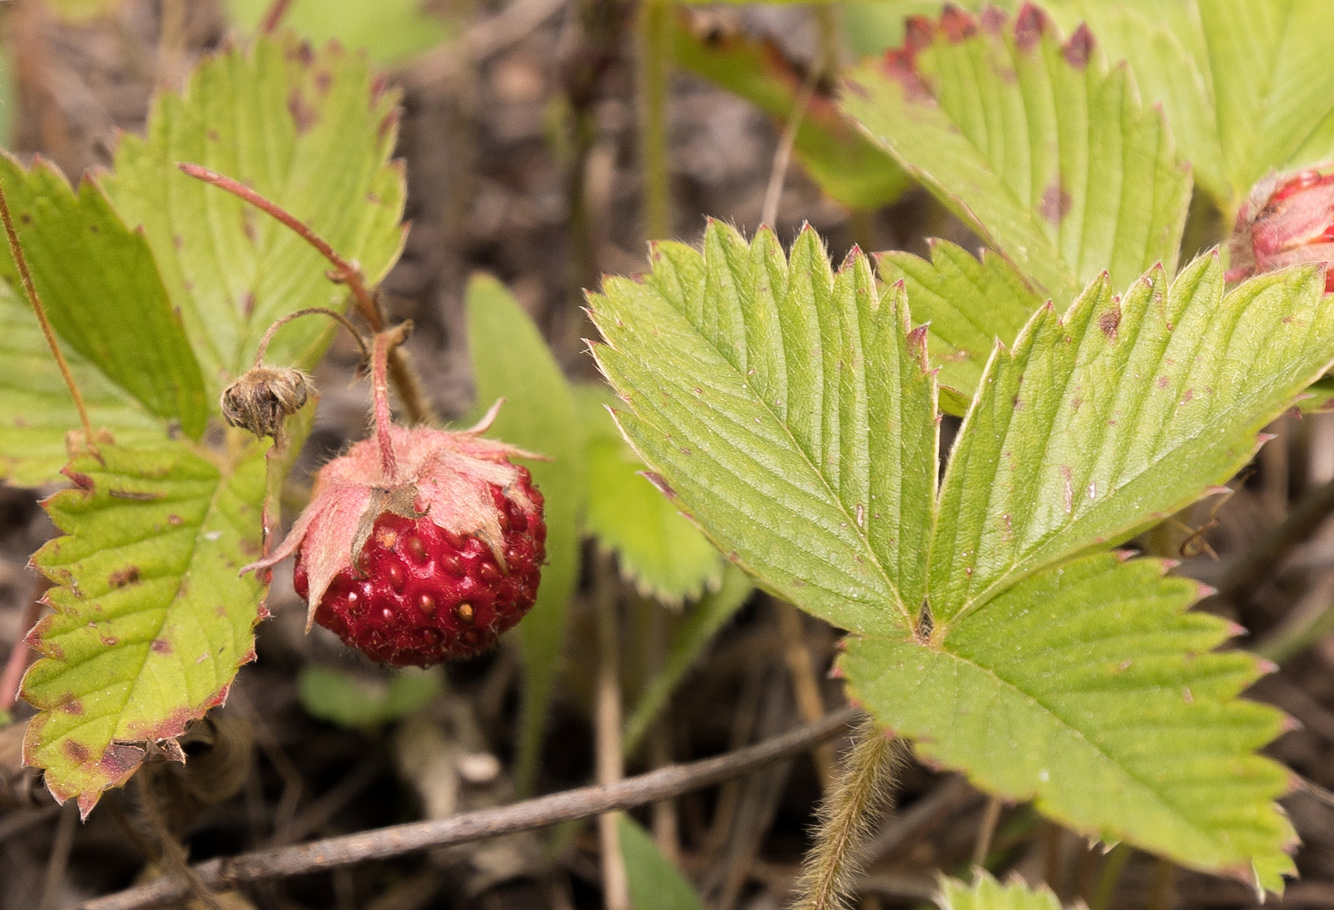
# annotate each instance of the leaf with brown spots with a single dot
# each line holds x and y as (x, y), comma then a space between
(151, 617)
(1033, 141)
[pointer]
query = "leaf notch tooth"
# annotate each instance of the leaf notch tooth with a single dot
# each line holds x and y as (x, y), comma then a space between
(1030, 25)
(956, 24)
(1079, 48)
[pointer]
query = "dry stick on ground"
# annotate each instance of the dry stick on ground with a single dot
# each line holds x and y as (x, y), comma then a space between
(397, 840)
(610, 768)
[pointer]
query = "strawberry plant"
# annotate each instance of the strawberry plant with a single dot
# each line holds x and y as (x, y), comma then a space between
(955, 460)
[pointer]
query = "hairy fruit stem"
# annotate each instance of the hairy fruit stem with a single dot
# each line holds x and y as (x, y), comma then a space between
(846, 817)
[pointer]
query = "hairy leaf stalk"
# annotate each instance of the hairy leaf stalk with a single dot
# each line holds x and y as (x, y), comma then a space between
(846, 818)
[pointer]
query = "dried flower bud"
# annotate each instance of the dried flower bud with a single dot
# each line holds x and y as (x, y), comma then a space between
(263, 398)
(1288, 219)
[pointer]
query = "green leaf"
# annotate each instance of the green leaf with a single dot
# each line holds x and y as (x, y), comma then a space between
(985, 893)
(100, 288)
(1246, 86)
(1089, 689)
(655, 884)
(1006, 651)
(36, 410)
(969, 306)
(1117, 415)
(359, 701)
(750, 383)
(511, 361)
(1034, 142)
(310, 130)
(702, 622)
(151, 618)
(666, 556)
(390, 31)
(848, 166)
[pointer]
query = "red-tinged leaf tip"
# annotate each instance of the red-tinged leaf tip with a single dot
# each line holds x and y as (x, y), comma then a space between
(1124, 555)
(1289, 724)
(1262, 438)
(957, 24)
(1169, 564)
(1029, 26)
(1265, 666)
(917, 342)
(1203, 590)
(1079, 48)
(1235, 629)
(992, 19)
(836, 672)
(660, 482)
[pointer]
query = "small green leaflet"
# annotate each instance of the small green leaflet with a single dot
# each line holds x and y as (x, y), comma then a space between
(151, 618)
(969, 306)
(985, 893)
(355, 699)
(310, 130)
(1032, 141)
(663, 553)
(512, 361)
(789, 409)
(100, 287)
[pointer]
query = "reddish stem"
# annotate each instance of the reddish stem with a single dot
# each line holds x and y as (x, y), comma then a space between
(384, 344)
(31, 291)
(274, 17)
(349, 273)
(20, 653)
(345, 271)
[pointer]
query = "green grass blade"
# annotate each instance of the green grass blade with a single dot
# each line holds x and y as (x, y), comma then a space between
(1033, 141)
(655, 884)
(512, 361)
(151, 618)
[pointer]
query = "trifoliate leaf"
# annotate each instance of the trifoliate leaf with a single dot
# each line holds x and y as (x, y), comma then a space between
(100, 288)
(1033, 141)
(1089, 689)
(151, 617)
(985, 893)
(310, 130)
(666, 556)
(969, 306)
(512, 361)
(811, 459)
(751, 385)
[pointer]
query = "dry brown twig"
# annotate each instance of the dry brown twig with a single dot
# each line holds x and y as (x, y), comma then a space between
(397, 840)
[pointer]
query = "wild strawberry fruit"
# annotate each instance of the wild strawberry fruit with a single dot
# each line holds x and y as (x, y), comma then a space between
(419, 545)
(1288, 219)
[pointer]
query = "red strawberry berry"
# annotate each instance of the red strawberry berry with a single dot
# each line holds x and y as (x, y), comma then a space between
(420, 594)
(1288, 219)
(419, 545)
